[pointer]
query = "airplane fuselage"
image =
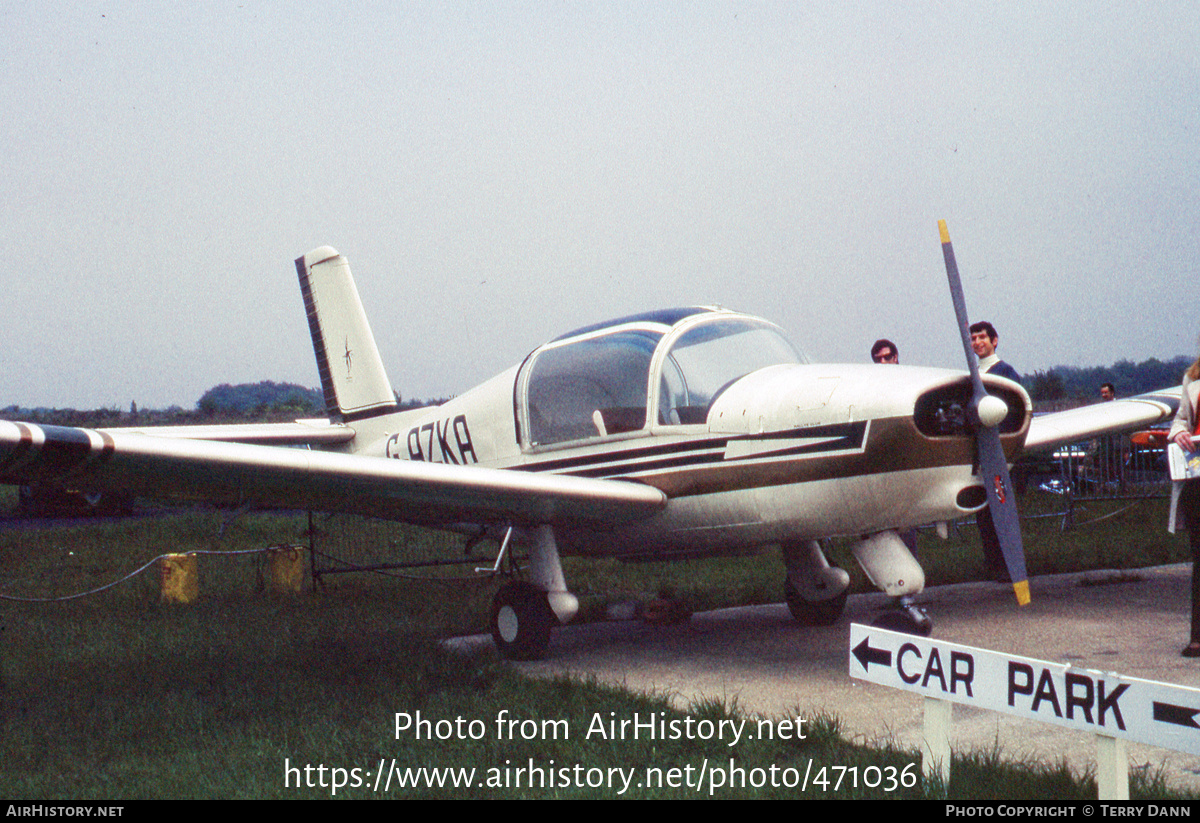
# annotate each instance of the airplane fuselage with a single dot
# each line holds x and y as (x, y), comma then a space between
(791, 451)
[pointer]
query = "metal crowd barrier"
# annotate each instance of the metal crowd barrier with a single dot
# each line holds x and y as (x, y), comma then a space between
(1128, 465)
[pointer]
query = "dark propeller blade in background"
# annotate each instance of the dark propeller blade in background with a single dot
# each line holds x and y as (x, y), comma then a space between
(986, 413)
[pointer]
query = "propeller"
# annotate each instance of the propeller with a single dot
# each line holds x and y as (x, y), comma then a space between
(987, 412)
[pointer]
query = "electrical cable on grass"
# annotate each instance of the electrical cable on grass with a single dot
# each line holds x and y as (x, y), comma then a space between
(136, 572)
(419, 578)
(1112, 514)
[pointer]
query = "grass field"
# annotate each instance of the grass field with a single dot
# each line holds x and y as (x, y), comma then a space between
(251, 694)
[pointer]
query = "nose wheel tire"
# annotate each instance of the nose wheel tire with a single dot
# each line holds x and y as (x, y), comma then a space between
(907, 619)
(814, 612)
(521, 621)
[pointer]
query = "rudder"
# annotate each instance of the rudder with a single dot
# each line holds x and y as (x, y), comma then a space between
(356, 387)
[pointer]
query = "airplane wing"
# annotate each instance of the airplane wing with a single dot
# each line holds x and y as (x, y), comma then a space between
(236, 473)
(314, 432)
(1049, 430)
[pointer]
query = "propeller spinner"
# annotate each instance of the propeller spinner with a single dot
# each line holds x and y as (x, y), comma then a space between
(987, 412)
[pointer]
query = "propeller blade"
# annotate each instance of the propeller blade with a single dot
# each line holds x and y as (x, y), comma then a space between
(993, 465)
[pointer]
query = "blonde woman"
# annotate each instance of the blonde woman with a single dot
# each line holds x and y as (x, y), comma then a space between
(1183, 433)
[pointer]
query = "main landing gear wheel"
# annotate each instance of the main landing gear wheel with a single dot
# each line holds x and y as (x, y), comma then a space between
(521, 621)
(908, 619)
(814, 612)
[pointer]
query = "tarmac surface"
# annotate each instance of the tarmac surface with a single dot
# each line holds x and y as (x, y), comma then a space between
(1132, 623)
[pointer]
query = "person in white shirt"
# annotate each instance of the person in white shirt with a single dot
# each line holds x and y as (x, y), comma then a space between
(1183, 434)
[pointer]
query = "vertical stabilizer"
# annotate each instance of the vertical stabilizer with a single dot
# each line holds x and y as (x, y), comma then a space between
(352, 375)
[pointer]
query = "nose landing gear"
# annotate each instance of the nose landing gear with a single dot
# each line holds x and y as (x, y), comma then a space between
(905, 616)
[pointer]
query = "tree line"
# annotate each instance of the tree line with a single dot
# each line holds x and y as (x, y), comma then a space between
(262, 402)
(1128, 378)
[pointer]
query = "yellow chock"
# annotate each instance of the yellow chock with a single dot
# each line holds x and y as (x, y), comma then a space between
(285, 569)
(180, 578)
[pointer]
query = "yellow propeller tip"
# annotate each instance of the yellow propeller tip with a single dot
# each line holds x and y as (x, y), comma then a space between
(943, 231)
(1022, 590)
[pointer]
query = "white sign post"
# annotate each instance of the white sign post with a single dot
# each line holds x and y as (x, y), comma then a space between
(1111, 706)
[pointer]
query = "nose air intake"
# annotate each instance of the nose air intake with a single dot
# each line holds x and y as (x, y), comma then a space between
(944, 411)
(971, 497)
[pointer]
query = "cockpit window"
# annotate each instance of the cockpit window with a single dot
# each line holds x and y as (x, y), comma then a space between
(596, 383)
(591, 387)
(708, 358)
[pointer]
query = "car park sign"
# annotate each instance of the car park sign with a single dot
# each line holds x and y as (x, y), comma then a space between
(1160, 714)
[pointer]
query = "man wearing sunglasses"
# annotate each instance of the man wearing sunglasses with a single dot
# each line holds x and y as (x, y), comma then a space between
(885, 351)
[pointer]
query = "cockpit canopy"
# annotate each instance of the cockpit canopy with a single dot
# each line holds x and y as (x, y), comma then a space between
(637, 373)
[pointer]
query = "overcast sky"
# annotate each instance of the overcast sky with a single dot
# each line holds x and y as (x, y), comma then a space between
(498, 173)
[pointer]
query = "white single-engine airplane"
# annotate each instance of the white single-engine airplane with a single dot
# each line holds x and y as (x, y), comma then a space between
(679, 432)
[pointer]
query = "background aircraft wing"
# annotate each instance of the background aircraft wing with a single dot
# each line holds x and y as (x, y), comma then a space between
(1050, 430)
(238, 473)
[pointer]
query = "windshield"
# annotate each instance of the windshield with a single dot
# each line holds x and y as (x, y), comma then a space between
(590, 388)
(708, 358)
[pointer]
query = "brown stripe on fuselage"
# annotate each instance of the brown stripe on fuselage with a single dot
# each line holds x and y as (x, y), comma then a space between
(893, 444)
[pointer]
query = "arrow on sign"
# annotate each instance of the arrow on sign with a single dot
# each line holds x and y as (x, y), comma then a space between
(866, 655)
(1179, 715)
